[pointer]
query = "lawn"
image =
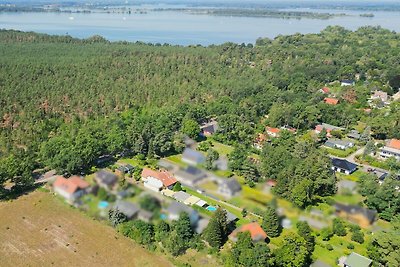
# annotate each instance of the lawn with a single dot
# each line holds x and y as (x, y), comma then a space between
(177, 159)
(339, 152)
(353, 199)
(355, 176)
(40, 230)
(221, 148)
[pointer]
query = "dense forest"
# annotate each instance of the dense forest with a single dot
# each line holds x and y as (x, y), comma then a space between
(66, 101)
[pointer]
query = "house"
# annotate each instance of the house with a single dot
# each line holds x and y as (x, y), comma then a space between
(129, 209)
(273, 132)
(381, 175)
(229, 187)
(190, 176)
(191, 200)
(325, 90)
(193, 157)
(104, 159)
(329, 128)
(106, 179)
(259, 141)
(356, 260)
(156, 180)
(392, 149)
(343, 166)
(340, 144)
(354, 134)
(209, 128)
(71, 189)
(145, 215)
(347, 83)
(331, 101)
(231, 218)
(175, 209)
(380, 95)
(256, 232)
(124, 169)
(289, 128)
(356, 214)
(181, 196)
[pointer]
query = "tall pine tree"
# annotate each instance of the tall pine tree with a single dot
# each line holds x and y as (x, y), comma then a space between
(270, 222)
(215, 233)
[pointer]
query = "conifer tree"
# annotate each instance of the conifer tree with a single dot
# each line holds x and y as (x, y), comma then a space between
(270, 222)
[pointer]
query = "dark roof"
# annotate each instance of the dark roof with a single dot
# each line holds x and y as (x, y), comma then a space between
(193, 155)
(232, 184)
(354, 134)
(178, 208)
(354, 209)
(127, 208)
(194, 171)
(106, 177)
(343, 164)
(210, 127)
(230, 217)
(347, 81)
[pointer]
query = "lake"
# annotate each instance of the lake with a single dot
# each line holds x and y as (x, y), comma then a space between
(184, 29)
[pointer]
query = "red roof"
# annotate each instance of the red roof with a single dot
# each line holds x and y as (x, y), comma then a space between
(331, 101)
(256, 232)
(325, 90)
(70, 185)
(165, 177)
(394, 143)
(273, 130)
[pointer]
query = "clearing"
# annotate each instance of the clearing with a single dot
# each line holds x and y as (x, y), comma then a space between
(39, 230)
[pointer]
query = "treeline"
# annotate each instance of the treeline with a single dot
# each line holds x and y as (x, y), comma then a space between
(67, 101)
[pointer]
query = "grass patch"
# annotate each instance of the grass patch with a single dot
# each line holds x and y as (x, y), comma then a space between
(353, 199)
(339, 152)
(221, 148)
(355, 176)
(177, 159)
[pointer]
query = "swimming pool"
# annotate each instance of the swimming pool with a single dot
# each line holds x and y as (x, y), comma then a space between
(163, 216)
(211, 208)
(103, 204)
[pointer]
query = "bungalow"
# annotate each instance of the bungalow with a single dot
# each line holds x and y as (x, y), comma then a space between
(181, 196)
(124, 169)
(325, 90)
(329, 128)
(175, 209)
(129, 209)
(392, 149)
(354, 134)
(193, 157)
(380, 95)
(106, 179)
(343, 166)
(340, 144)
(347, 83)
(209, 128)
(259, 141)
(156, 180)
(331, 101)
(356, 214)
(356, 260)
(190, 176)
(229, 187)
(256, 232)
(71, 189)
(273, 132)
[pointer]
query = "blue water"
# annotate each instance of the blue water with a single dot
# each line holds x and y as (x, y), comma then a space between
(183, 28)
(163, 216)
(103, 204)
(211, 208)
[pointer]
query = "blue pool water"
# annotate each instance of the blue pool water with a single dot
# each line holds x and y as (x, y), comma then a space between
(163, 216)
(211, 208)
(103, 204)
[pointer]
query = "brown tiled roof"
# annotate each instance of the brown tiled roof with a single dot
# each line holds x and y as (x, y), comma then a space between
(331, 101)
(256, 232)
(394, 143)
(165, 177)
(70, 185)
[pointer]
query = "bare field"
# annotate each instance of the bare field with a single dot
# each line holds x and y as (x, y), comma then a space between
(39, 230)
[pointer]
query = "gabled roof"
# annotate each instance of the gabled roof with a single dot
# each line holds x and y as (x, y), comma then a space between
(165, 177)
(256, 232)
(331, 101)
(327, 127)
(338, 142)
(210, 127)
(394, 143)
(106, 177)
(325, 90)
(356, 260)
(232, 184)
(354, 209)
(193, 155)
(272, 130)
(343, 164)
(181, 196)
(127, 208)
(70, 185)
(177, 208)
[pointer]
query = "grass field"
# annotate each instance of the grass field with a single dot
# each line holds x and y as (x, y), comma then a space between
(40, 230)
